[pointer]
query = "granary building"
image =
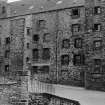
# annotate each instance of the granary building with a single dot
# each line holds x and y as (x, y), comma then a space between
(59, 41)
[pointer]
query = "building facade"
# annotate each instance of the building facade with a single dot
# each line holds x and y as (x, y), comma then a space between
(59, 41)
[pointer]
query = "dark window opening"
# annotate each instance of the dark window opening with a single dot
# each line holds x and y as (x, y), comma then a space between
(41, 24)
(44, 69)
(75, 28)
(66, 43)
(36, 38)
(75, 12)
(27, 59)
(35, 54)
(7, 53)
(78, 43)
(97, 10)
(46, 54)
(6, 68)
(97, 27)
(79, 59)
(34, 70)
(97, 62)
(28, 31)
(3, 10)
(28, 45)
(65, 60)
(7, 40)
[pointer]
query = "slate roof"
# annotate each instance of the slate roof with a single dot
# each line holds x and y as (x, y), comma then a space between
(34, 6)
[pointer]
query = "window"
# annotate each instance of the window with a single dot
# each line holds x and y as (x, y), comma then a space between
(6, 68)
(97, 62)
(28, 31)
(66, 43)
(35, 54)
(36, 38)
(78, 43)
(7, 40)
(34, 70)
(97, 44)
(46, 37)
(97, 10)
(65, 60)
(28, 45)
(3, 10)
(97, 27)
(27, 59)
(7, 52)
(46, 54)
(44, 69)
(79, 59)
(75, 13)
(75, 28)
(41, 24)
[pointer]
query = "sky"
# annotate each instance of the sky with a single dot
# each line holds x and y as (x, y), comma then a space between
(12, 0)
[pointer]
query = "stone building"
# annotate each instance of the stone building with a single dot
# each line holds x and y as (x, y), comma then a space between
(60, 41)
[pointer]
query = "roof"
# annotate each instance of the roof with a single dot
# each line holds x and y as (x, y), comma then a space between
(35, 6)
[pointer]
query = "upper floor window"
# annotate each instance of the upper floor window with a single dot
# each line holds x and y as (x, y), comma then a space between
(28, 45)
(97, 62)
(34, 70)
(3, 10)
(41, 24)
(46, 54)
(97, 10)
(36, 38)
(97, 27)
(75, 13)
(78, 43)
(46, 37)
(35, 54)
(75, 28)
(65, 60)
(45, 69)
(66, 43)
(7, 53)
(6, 68)
(28, 31)
(7, 40)
(97, 44)
(79, 59)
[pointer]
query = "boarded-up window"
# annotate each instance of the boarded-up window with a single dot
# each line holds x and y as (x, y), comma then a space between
(46, 54)
(35, 54)
(65, 60)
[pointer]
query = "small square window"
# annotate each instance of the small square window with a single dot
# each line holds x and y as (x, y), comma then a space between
(66, 43)
(65, 60)
(97, 10)
(97, 44)
(6, 68)
(36, 38)
(75, 13)
(79, 59)
(41, 24)
(78, 43)
(97, 27)
(75, 28)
